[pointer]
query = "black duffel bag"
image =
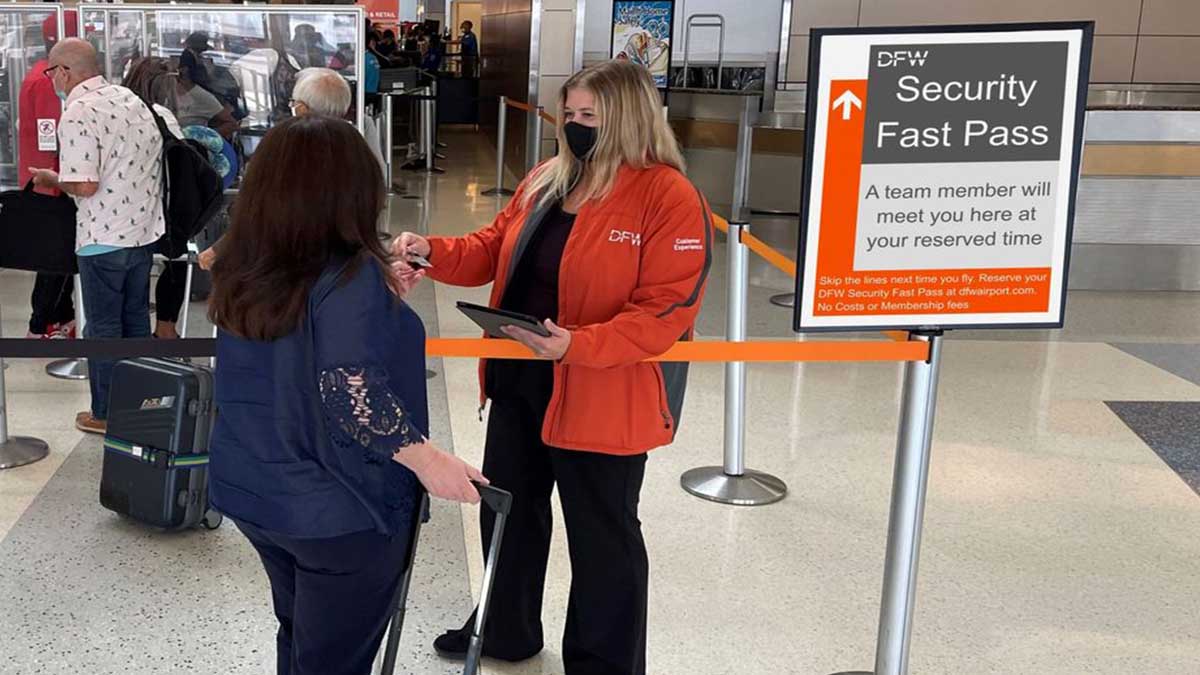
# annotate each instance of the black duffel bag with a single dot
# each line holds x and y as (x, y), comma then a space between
(37, 232)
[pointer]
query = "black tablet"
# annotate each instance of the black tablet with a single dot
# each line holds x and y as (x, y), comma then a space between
(491, 320)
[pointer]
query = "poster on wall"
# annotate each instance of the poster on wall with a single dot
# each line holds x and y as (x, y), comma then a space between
(641, 33)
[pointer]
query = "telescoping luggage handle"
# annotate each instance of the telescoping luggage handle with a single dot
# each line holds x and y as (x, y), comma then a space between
(499, 501)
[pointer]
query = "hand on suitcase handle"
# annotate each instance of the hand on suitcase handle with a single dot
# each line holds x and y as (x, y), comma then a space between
(443, 475)
(497, 500)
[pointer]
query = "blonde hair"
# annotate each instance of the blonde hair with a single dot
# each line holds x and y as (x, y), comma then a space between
(633, 131)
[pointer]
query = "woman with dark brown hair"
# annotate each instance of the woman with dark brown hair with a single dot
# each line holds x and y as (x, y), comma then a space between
(319, 454)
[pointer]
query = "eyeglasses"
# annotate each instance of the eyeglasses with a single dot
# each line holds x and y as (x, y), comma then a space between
(49, 72)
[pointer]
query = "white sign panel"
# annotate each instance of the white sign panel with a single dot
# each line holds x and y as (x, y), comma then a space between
(943, 168)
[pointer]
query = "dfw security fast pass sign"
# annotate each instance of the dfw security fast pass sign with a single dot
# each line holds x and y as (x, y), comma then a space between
(941, 179)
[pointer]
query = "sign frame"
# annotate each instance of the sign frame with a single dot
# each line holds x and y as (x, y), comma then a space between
(612, 36)
(1087, 34)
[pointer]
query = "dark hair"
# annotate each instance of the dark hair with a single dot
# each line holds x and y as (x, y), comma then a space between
(289, 224)
(468, 25)
(152, 80)
(389, 33)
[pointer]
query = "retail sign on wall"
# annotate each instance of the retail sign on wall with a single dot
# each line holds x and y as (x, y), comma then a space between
(386, 12)
(944, 162)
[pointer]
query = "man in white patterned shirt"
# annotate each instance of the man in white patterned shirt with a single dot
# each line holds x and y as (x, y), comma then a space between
(110, 163)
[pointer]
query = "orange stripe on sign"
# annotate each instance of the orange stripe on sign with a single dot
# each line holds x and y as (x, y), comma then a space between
(711, 351)
(843, 171)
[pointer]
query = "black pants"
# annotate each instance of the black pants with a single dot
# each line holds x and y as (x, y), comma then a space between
(333, 597)
(168, 292)
(51, 301)
(606, 613)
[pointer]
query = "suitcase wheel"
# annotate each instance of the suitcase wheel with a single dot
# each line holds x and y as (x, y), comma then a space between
(211, 520)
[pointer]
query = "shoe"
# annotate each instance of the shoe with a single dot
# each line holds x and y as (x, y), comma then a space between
(90, 425)
(30, 335)
(453, 645)
(67, 330)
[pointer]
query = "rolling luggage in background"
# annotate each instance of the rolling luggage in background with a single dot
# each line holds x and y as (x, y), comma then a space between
(156, 448)
(499, 501)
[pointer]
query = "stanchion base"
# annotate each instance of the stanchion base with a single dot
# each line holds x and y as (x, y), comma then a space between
(784, 300)
(498, 192)
(753, 488)
(855, 672)
(22, 450)
(68, 369)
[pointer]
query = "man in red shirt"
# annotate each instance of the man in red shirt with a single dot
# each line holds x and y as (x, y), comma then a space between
(38, 114)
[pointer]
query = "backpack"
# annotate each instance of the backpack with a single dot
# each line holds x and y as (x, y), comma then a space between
(192, 190)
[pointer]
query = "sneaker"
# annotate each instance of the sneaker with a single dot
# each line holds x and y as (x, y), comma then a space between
(90, 425)
(30, 335)
(67, 330)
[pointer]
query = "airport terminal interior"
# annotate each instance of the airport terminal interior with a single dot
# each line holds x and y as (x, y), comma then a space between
(1060, 530)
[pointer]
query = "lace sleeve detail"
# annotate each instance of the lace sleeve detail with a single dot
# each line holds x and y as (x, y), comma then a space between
(360, 404)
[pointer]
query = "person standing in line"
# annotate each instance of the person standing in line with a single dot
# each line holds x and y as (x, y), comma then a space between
(53, 307)
(320, 453)
(111, 164)
(610, 245)
(318, 91)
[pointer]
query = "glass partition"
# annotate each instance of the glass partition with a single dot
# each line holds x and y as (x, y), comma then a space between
(24, 29)
(245, 57)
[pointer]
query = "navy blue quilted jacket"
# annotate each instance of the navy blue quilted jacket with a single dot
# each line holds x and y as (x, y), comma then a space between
(307, 424)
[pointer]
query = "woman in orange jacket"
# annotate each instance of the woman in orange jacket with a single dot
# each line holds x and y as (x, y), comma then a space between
(610, 245)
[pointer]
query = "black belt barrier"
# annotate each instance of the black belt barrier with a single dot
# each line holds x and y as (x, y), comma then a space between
(106, 348)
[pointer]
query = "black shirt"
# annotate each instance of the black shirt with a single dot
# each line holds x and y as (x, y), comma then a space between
(532, 290)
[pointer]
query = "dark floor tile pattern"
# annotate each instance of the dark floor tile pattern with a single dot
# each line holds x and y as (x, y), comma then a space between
(1182, 360)
(1171, 429)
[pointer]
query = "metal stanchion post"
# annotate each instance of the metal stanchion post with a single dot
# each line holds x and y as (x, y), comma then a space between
(190, 259)
(16, 450)
(909, 482)
(745, 146)
(537, 136)
(388, 140)
(431, 132)
(428, 129)
(733, 483)
(435, 144)
(501, 137)
(72, 369)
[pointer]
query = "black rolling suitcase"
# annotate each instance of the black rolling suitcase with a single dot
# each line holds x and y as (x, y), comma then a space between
(160, 414)
(499, 501)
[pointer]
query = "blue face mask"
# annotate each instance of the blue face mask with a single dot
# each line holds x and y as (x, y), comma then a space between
(62, 95)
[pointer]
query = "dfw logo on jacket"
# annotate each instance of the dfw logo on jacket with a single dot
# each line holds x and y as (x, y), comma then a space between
(622, 237)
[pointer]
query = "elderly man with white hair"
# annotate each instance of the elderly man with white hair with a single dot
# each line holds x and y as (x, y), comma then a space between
(320, 91)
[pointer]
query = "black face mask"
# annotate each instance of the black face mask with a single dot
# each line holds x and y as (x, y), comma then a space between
(581, 140)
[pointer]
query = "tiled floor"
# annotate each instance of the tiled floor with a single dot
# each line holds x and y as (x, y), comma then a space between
(1057, 538)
